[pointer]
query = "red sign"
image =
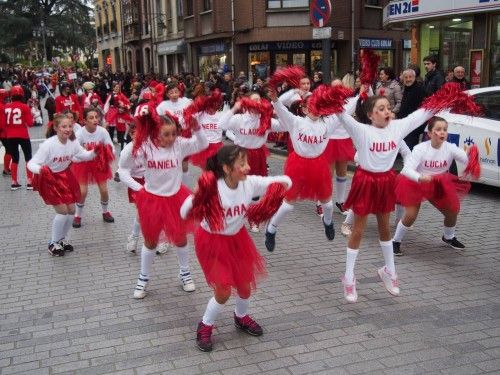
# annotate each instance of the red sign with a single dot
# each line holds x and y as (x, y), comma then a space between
(108, 60)
(320, 12)
(475, 67)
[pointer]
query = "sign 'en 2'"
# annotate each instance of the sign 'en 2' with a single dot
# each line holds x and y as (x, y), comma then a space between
(403, 7)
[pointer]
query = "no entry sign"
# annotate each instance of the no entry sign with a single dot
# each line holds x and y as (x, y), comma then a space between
(320, 12)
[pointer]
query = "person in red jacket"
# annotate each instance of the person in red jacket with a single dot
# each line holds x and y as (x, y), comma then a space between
(15, 119)
(67, 100)
(4, 94)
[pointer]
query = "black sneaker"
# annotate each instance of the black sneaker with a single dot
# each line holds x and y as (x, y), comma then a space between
(117, 177)
(15, 186)
(270, 241)
(56, 250)
(248, 325)
(66, 246)
(454, 243)
(29, 187)
(341, 208)
(6, 173)
(396, 248)
(329, 230)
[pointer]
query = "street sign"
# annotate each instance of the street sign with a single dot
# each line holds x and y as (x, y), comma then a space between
(322, 32)
(320, 12)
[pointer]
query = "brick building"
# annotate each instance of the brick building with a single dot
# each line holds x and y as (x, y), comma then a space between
(108, 31)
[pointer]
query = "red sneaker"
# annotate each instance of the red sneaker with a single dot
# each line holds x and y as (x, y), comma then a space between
(204, 337)
(108, 218)
(319, 210)
(77, 222)
(248, 325)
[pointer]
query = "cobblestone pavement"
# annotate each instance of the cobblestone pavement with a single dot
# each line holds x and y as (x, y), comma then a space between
(76, 314)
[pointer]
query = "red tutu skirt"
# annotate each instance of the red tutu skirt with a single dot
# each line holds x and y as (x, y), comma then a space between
(257, 160)
(339, 150)
(111, 115)
(231, 261)
(200, 159)
(445, 191)
(311, 178)
(157, 213)
(63, 190)
(132, 193)
(87, 172)
(371, 192)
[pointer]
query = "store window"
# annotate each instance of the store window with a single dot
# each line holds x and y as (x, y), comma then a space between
(317, 61)
(278, 4)
(211, 63)
(259, 63)
(495, 52)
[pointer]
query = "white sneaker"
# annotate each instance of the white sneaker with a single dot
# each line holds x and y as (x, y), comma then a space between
(132, 243)
(350, 293)
(254, 228)
(163, 248)
(187, 281)
(140, 288)
(346, 229)
(391, 282)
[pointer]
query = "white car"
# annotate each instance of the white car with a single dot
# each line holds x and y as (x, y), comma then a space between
(483, 131)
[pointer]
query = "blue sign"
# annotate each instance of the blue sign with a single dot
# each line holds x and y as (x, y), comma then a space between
(374, 43)
(454, 138)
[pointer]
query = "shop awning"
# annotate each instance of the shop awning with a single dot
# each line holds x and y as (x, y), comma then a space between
(171, 47)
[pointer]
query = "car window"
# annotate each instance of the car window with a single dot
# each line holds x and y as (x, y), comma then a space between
(490, 101)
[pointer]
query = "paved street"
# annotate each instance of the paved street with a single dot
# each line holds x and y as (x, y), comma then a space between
(76, 314)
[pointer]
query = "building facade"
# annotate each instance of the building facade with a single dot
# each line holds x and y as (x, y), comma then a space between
(460, 32)
(109, 34)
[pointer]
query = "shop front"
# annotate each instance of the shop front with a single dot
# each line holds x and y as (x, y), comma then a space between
(266, 57)
(385, 48)
(212, 57)
(171, 56)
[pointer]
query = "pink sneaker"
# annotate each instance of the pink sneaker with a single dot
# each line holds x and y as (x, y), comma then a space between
(350, 293)
(391, 282)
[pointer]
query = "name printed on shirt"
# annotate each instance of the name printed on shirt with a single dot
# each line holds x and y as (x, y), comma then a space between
(210, 126)
(90, 145)
(252, 131)
(383, 146)
(236, 211)
(311, 139)
(61, 159)
(436, 164)
(163, 164)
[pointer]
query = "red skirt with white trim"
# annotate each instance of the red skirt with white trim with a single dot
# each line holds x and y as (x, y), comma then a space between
(230, 261)
(65, 190)
(311, 178)
(445, 191)
(131, 193)
(257, 160)
(200, 159)
(87, 173)
(158, 213)
(371, 192)
(339, 150)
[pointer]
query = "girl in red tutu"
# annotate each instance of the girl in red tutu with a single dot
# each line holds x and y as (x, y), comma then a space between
(158, 148)
(225, 251)
(425, 177)
(372, 189)
(54, 180)
(90, 136)
(111, 108)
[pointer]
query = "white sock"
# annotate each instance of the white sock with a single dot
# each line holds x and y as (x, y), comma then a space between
(350, 261)
(136, 228)
(183, 257)
(279, 216)
(327, 212)
(147, 258)
(387, 250)
(212, 312)
(185, 178)
(241, 306)
(340, 188)
(448, 232)
(400, 211)
(79, 209)
(67, 225)
(349, 219)
(401, 230)
(58, 225)
(104, 206)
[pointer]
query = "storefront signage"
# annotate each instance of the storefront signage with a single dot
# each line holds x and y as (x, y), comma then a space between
(171, 47)
(408, 10)
(406, 43)
(212, 49)
(374, 43)
(475, 67)
(285, 46)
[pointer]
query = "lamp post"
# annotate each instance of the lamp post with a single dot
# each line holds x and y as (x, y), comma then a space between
(43, 31)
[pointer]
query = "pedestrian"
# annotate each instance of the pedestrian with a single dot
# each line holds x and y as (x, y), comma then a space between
(15, 119)
(434, 78)
(459, 77)
(98, 172)
(388, 86)
(158, 148)
(425, 177)
(66, 100)
(55, 181)
(111, 108)
(413, 96)
(226, 253)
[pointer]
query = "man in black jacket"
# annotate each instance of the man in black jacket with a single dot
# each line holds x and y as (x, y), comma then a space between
(413, 95)
(434, 78)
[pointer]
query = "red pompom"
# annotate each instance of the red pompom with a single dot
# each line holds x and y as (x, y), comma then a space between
(291, 75)
(104, 157)
(327, 100)
(147, 126)
(262, 107)
(209, 103)
(207, 204)
(473, 168)
(451, 97)
(268, 205)
(369, 64)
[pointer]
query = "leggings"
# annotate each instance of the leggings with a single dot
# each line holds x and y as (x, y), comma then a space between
(111, 131)
(121, 138)
(12, 148)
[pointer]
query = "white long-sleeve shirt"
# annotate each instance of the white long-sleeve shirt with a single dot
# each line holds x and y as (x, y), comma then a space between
(91, 140)
(235, 202)
(176, 108)
(340, 132)
(427, 160)
(127, 161)
(211, 125)
(163, 166)
(58, 156)
(378, 147)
